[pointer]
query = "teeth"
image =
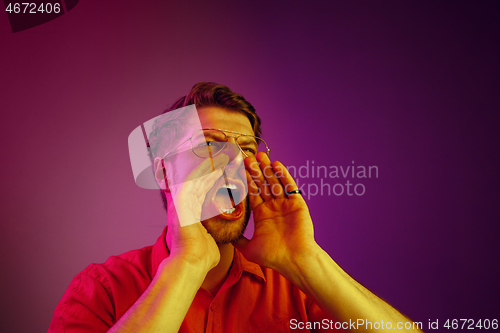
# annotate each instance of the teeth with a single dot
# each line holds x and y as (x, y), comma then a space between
(229, 186)
(228, 211)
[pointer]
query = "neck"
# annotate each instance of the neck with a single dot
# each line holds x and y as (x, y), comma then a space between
(217, 275)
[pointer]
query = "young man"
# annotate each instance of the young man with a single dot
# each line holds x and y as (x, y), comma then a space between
(205, 276)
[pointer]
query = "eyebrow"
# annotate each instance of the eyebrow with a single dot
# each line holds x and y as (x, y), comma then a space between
(232, 132)
(211, 135)
(248, 139)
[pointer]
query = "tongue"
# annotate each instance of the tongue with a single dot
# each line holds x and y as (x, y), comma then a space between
(222, 199)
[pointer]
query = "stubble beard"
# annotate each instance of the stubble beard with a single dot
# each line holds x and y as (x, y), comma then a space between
(225, 231)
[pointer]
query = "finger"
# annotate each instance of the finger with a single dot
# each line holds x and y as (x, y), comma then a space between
(275, 185)
(220, 161)
(254, 169)
(209, 165)
(204, 184)
(286, 179)
(202, 178)
(200, 184)
(189, 197)
(253, 192)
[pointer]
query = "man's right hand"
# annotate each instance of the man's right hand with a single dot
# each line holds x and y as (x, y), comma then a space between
(193, 244)
(193, 253)
(186, 237)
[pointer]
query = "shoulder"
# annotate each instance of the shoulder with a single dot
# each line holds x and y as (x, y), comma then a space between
(101, 293)
(137, 264)
(132, 267)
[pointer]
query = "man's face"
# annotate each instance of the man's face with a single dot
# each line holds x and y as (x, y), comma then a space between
(227, 224)
(223, 228)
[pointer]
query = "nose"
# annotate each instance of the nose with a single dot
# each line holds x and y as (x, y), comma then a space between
(235, 168)
(232, 149)
(233, 142)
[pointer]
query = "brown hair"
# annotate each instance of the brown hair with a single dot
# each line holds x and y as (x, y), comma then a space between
(213, 94)
(203, 94)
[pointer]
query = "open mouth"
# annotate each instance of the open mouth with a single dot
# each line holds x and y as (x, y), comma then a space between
(225, 199)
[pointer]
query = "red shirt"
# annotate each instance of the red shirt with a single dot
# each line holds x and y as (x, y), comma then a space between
(252, 299)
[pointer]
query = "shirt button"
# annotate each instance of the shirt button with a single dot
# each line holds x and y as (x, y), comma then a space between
(213, 307)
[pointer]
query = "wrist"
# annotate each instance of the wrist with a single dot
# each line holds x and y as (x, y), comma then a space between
(299, 263)
(194, 272)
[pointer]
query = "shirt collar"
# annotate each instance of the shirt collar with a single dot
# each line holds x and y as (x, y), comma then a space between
(240, 264)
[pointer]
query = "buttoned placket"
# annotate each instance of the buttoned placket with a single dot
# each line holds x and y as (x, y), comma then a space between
(214, 320)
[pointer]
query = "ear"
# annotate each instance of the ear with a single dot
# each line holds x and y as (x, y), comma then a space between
(161, 174)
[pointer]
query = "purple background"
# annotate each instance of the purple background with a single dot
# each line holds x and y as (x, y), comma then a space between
(411, 87)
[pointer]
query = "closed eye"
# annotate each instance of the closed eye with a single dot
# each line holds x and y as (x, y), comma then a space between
(250, 150)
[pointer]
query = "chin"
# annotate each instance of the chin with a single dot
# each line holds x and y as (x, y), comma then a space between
(225, 230)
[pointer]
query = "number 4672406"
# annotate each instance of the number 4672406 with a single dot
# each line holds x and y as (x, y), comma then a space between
(469, 324)
(31, 8)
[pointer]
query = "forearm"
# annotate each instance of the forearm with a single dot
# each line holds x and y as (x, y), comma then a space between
(339, 295)
(164, 304)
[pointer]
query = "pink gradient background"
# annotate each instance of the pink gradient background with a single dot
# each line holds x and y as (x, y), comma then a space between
(412, 87)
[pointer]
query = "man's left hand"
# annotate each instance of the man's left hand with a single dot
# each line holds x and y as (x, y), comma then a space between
(283, 231)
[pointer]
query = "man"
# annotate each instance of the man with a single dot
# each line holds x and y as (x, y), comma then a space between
(205, 276)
